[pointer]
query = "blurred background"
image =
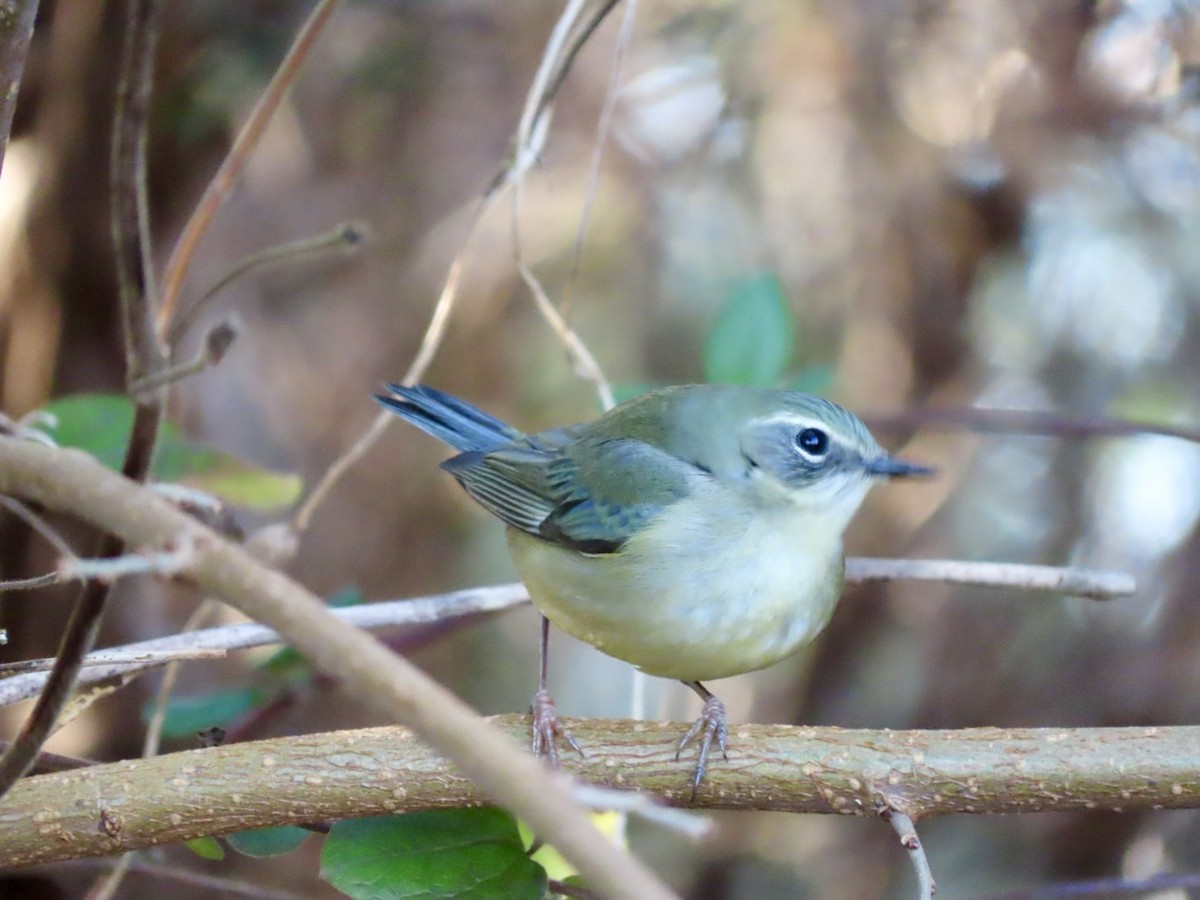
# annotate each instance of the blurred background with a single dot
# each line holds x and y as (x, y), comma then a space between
(988, 203)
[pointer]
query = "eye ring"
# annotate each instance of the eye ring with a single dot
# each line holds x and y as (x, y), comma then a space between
(812, 442)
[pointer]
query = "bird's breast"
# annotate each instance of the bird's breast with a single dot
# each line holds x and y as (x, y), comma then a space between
(706, 590)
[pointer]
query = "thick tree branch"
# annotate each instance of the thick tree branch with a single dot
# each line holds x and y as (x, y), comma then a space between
(376, 771)
(71, 481)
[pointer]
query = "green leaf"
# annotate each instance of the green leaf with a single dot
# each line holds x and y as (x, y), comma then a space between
(187, 715)
(101, 423)
(206, 847)
(472, 854)
(752, 339)
(623, 392)
(813, 380)
(267, 841)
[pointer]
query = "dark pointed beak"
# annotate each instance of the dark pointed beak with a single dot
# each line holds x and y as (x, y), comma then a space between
(891, 467)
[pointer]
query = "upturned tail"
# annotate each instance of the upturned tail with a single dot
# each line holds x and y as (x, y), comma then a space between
(452, 421)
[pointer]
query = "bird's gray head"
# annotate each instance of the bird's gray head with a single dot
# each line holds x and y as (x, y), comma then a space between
(817, 455)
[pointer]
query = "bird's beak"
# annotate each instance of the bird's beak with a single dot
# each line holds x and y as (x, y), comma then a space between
(891, 467)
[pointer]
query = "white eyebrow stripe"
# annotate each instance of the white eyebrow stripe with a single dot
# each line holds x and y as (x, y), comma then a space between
(798, 421)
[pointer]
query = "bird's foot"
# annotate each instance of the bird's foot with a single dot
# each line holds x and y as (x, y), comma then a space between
(547, 729)
(712, 725)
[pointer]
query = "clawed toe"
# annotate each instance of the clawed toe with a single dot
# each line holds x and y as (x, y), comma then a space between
(711, 726)
(547, 729)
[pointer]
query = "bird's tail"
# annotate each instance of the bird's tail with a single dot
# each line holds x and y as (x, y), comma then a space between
(456, 422)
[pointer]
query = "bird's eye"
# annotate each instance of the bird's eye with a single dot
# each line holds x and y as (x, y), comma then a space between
(812, 442)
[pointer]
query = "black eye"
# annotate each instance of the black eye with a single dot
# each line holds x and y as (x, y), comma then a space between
(813, 441)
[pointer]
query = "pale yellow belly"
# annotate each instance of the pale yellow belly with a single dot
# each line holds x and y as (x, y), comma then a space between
(691, 603)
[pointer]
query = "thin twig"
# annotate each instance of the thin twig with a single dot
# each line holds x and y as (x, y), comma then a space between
(29, 584)
(430, 342)
(1020, 421)
(162, 563)
(372, 616)
(217, 341)
(38, 524)
(159, 710)
(1096, 584)
(145, 356)
(116, 657)
(211, 885)
(341, 237)
(235, 161)
(907, 831)
(691, 825)
(603, 127)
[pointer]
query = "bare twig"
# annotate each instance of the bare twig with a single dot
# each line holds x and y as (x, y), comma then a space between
(62, 479)
(211, 885)
(1021, 421)
(117, 657)
(217, 341)
(231, 167)
(341, 237)
(29, 584)
(373, 616)
(159, 710)
(16, 30)
(603, 127)
(647, 806)
(162, 563)
(1095, 584)
(907, 831)
(145, 356)
(430, 342)
(376, 771)
(38, 524)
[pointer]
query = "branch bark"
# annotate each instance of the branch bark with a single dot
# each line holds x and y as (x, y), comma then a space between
(71, 481)
(16, 30)
(377, 771)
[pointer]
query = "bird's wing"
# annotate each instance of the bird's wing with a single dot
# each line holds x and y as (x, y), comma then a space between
(591, 495)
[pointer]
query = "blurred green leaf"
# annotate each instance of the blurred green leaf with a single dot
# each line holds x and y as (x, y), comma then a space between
(473, 854)
(206, 847)
(267, 841)
(100, 424)
(187, 715)
(752, 340)
(813, 380)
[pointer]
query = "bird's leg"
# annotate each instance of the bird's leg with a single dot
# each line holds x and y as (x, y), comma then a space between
(546, 727)
(711, 726)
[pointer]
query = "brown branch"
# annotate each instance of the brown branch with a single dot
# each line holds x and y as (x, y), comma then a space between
(231, 167)
(16, 30)
(145, 356)
(1023, 421)
(376, 771)
(68, 480)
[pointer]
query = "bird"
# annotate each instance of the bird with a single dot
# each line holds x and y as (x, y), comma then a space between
(694, 531)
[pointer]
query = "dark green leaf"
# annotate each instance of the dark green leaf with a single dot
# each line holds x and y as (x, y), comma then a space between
(100, 424)
(187, 715)
(206, 847)
(752, 339)
(268, 841)
(472, 854)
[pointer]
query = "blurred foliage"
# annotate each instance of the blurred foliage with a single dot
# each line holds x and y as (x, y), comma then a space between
(101, 423)
(985, 203)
